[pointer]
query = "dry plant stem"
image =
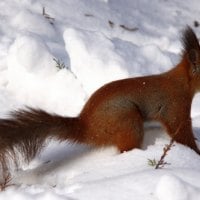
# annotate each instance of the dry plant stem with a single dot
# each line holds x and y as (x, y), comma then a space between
(111, 23)
(162, 162)
(59, 64)
(89, 15)
(5, 183)
(128, 29)
(47, 16)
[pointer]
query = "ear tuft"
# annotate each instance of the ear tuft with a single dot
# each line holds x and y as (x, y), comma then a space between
(190, 42)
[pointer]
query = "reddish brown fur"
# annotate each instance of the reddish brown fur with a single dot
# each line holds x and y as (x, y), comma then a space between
(114, 115)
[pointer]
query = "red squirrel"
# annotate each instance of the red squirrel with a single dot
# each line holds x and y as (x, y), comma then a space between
(115, 113)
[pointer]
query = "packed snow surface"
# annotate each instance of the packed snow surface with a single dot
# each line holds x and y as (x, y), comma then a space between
(55, 54)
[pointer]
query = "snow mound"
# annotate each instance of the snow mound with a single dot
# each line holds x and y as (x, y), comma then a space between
(32, 70)
(173, 188)
(93, 58)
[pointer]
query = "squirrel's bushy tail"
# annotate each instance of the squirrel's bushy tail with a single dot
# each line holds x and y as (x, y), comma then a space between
(26, 130)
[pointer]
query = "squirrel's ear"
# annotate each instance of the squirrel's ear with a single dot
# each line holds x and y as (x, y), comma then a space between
(193, 57)
(191, 48)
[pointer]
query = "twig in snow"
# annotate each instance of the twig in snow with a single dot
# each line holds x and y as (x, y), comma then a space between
(111, 23)
(128, 28)
(47, 16)
(6, 182)
(89, 15)
(59, 64)
(161, 163)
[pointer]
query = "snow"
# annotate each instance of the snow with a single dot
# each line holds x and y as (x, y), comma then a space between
(171, 187)
(98, 41)
(99, 58)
